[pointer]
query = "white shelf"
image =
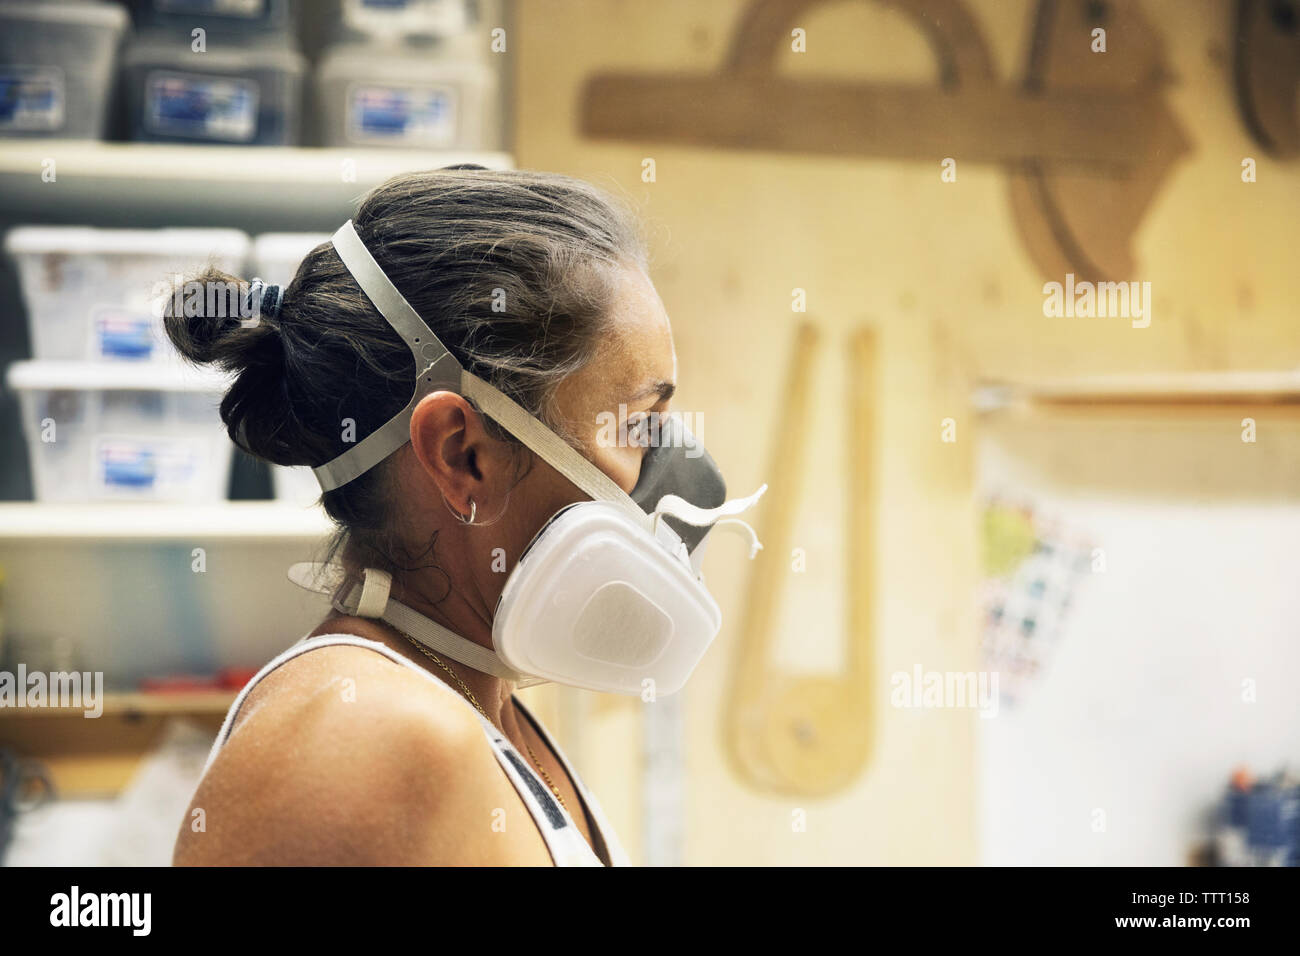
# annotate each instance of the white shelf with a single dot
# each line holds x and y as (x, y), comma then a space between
(257, 188)
(129, 521)
(78, 159)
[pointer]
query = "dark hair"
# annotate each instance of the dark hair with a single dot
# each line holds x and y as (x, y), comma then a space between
(514, 271)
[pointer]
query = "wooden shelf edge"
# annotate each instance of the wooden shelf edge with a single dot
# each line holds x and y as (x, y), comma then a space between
(1190, 390)
(125, 704)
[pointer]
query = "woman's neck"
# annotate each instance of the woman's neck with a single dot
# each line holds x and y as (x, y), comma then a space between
(489, 695)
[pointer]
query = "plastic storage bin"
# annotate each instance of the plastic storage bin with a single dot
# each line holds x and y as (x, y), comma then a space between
(98, 431)
(90, 293)
(251, 95)
(405, 18)
(237, 20)
(56, 68)
(437, 96)
(277, 255)
(296, 485)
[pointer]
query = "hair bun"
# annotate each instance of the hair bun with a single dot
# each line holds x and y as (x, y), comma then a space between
(217, 319)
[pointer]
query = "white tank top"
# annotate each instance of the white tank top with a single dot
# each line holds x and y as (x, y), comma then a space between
(563, 839)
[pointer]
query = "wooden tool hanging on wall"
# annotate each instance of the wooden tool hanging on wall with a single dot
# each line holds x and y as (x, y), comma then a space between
(1266, 71)
(1116, 139)
(1082, 219)
(799, 734)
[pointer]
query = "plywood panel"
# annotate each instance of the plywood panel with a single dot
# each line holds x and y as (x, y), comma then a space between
(940, 270)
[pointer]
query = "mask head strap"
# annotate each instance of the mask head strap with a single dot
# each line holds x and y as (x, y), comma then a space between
(438, 370)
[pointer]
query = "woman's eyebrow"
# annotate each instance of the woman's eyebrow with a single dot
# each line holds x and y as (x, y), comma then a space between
(664, 390)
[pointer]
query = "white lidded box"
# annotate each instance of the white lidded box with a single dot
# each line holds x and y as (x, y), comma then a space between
(93, 293)
(276, 257)
(229, 21)
(437, 96)
(100, 431)
(394, 18)
(56, 67)
(248, 94)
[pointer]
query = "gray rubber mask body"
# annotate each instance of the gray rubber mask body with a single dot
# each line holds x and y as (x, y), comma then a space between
(677, 464)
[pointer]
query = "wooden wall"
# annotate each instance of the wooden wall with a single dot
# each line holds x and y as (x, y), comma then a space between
(940, 271)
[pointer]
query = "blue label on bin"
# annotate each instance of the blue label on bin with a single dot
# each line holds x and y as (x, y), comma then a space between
(31, 98)
(201, 107)
(158, 467)
(417, 115)
(127, 465)
(121, 334)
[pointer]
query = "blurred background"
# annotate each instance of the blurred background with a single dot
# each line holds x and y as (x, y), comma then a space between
(1029, 592)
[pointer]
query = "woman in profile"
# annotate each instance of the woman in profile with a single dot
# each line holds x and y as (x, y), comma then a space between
(362, 744)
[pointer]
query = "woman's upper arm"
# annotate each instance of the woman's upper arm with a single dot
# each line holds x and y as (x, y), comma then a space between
(323, 771)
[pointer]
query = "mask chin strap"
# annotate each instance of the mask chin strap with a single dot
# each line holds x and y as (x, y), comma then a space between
(439, 370)
(370, 598)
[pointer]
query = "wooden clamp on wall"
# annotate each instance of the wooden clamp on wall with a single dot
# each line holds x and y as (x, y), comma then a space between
(1087, 137)
(810, 735)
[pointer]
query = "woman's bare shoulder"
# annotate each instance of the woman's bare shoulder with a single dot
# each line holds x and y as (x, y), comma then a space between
(343, 756)
(348, 674)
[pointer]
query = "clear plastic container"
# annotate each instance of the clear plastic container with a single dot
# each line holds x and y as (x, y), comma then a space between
(249, 95)
(435, 96)
(98, 431)
(56, 68)
(277, 255)
(390, 19)
(92, 293)
(233, 19)
(296, 485)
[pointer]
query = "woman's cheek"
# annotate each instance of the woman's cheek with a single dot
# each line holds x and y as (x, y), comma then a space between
(623, 465)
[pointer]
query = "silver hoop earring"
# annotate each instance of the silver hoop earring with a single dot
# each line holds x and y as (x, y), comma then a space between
(473, 513)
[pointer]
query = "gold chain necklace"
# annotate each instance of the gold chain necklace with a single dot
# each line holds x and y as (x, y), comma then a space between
(477, 706)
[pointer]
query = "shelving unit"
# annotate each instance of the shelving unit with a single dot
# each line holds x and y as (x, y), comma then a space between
(116, 578)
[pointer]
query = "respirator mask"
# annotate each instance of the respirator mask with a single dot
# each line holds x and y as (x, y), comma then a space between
(608, 595)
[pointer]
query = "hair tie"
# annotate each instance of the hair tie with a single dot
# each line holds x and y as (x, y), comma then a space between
(264, 300)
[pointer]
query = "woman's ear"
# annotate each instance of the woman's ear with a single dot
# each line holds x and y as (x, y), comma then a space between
(454, 449)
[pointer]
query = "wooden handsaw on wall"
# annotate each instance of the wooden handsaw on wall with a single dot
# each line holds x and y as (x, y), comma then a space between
(1086, 136)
